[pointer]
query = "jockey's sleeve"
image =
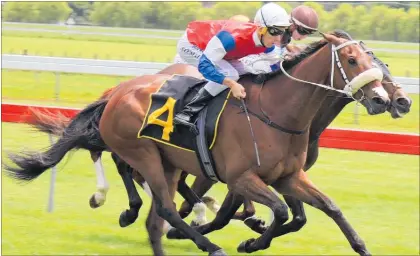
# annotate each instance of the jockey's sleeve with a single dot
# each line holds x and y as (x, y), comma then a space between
(216, 49)
(273, 55)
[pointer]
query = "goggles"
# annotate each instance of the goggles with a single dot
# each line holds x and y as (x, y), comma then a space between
(274, 31)
(302, 29)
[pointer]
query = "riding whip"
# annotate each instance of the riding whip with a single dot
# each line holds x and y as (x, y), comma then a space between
(252, 132)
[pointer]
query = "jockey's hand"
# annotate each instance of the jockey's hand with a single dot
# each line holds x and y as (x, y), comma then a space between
(238, 91)
(288, 56)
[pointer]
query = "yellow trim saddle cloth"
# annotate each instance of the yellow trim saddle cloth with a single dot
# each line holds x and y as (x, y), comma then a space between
(170, 99)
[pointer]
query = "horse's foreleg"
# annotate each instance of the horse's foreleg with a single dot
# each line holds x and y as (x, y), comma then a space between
(231, 203)
(299, 186)
(296, 206)
(248, 217)
(199, 208)
(253, 188)
(102, 186)
(199, 187)
(129, 216)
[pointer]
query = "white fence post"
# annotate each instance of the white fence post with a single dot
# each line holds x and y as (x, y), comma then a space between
(57, 86)
(356, 113)
(52, 182)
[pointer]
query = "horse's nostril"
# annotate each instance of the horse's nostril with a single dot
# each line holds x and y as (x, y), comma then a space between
(379, 101)
(403, 101)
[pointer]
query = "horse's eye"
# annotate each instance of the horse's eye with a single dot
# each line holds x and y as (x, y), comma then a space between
(352, 61)
(386, 65)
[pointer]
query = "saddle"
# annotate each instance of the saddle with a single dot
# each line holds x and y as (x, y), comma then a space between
(169, 100)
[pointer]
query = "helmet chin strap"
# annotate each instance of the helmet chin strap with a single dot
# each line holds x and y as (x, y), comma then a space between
(261, 39)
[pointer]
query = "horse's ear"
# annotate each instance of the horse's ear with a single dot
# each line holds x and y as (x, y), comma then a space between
(330, 38)
(327, 36)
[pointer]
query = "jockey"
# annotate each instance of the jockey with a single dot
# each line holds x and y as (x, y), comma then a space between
(213, 45)
(239, 17)
(304, 21)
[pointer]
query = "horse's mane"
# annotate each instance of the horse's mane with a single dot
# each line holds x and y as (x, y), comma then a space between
(308, 51)
(315, 46)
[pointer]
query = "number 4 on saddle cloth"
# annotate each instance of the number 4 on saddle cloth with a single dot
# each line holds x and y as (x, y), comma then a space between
(170, 99)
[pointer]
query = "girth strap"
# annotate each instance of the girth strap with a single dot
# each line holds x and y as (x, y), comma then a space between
(203, 153)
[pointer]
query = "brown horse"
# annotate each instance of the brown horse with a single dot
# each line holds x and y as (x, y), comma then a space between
(283, 154)
(331, 108)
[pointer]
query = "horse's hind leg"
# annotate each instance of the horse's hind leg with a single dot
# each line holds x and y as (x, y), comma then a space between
(129, 216)
(299, 186)
(145, 158)
(102, 186)
(154, 223)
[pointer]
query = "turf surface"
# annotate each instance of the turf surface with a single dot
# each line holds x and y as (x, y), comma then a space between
(378, 193)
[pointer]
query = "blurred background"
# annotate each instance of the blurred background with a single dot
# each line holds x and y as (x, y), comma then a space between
(148, 32)
(67, 53)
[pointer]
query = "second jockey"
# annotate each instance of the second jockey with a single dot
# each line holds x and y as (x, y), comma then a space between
(213, 46)
(305, 22)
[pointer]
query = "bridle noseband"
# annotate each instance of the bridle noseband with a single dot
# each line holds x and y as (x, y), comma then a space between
(350, 88)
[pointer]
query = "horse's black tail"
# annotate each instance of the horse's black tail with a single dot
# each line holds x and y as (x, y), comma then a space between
(82, 129)
(48, 122)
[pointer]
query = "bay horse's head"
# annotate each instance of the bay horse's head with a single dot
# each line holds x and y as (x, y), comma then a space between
(354, 72)
(400, 102)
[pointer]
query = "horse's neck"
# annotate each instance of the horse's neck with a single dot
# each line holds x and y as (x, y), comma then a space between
(293, 104)
(328, 111)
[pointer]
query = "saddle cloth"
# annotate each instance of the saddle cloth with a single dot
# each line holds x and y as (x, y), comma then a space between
(170, 99)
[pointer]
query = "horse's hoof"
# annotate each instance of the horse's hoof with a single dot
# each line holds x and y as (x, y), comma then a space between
(219, 252)
(174, 233)
(365, 253)
(92, 202)
(126, 218)
(256, 224)
(194, 224)
(244, 246)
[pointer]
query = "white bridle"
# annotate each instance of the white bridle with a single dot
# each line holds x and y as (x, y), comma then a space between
(352, 86)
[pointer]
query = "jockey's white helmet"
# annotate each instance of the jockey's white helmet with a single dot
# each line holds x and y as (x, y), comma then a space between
(272, 14)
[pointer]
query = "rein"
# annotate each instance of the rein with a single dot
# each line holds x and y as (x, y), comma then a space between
(349, 90)
(265, 118)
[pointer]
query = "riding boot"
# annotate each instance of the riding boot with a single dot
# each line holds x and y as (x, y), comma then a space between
(192, 108)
